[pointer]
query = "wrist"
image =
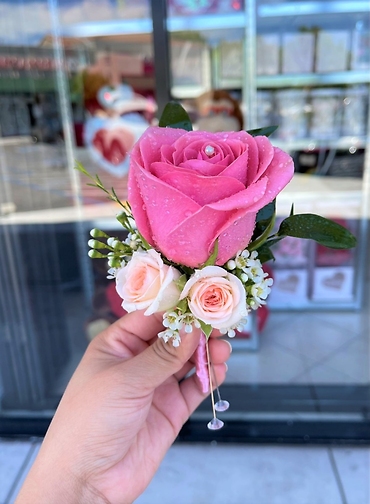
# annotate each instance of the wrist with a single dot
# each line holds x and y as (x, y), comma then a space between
(54, 485)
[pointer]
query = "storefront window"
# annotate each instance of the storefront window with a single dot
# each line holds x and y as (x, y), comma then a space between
(77, 82)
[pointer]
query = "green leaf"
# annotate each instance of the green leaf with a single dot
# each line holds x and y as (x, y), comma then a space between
(206, 328)
(315, 227)
(182, 305)
(267, 131)
(212, 258)
(175, 116)
(266, 212)
(265, 254)
(263, 227)
(79, 167)
(180, 283)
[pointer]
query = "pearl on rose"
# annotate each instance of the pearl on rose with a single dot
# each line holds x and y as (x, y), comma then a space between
(209, 150)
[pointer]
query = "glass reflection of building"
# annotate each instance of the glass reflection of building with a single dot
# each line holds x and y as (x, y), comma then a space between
(80, 80)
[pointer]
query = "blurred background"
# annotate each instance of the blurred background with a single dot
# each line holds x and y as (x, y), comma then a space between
(81, 80)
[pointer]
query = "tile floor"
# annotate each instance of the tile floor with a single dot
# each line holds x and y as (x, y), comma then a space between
(307, 347)
(230, 474)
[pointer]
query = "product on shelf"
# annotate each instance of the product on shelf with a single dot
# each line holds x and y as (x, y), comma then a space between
(326, 106)
(265, 108)
(355, 104)
(231, 60)
(292, 109)
(298, 52)
(332, 51)
(268, 47)
(360, 48)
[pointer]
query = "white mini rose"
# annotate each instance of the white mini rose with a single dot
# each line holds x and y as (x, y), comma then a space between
(146, 283)
(216, 297)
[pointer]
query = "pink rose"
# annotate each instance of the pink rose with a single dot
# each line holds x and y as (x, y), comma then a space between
(216, 297)
(187, 189)
(146, 283)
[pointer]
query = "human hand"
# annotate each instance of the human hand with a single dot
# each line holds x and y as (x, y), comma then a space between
(121, 411)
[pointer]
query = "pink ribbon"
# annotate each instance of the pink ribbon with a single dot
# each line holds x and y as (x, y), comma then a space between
(201, 365)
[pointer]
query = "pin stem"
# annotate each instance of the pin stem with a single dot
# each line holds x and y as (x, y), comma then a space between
(210, 380)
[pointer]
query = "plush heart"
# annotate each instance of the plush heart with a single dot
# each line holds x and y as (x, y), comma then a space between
(113, 144)
(110, 140)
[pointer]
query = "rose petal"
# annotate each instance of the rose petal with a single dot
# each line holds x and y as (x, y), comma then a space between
(148, 149)
(202, 190)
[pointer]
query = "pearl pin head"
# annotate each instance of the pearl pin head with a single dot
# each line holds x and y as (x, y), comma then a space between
(209, 150)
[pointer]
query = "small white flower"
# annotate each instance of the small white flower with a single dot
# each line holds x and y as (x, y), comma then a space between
(231, 264)
(112, 273)
(231, 331)
(172, 320)
(169, 334)
(260, 291)
(240, 262)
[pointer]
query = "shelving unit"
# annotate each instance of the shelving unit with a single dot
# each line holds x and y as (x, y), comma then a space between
(232, 45)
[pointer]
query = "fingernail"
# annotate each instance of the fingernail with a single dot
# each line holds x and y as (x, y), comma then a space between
(227, 367)
(230, 346)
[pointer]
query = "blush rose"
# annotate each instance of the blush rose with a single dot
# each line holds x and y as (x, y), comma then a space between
(216, 297)
(146, 283)
(187, 189)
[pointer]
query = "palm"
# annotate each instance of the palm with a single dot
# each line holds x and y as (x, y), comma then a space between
(126, 399)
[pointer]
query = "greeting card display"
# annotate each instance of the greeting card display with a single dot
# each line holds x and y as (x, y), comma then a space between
(290, 288)
(200, 216)
(333, 284)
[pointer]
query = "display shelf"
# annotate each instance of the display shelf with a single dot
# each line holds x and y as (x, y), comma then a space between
(206, 22)
(312, 8)
(108, 28)
(313, 79)
(312, 144)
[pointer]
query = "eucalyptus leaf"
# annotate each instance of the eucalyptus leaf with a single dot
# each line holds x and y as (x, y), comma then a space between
(175, 116)
(314, 227)
(266, 131)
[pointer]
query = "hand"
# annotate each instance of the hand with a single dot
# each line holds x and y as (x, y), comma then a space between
(121, 411)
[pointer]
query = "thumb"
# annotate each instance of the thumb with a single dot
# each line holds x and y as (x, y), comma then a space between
(161, 360)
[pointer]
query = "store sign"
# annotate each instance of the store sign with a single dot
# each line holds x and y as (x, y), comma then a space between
(35, 63)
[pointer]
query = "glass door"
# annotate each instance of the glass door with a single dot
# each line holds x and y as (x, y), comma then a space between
(76, 83)
(300, 371)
